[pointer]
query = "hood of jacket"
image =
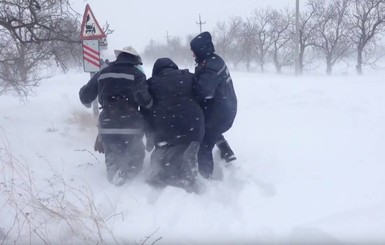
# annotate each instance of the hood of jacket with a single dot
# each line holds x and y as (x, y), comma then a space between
(161, 64)
(202, 46)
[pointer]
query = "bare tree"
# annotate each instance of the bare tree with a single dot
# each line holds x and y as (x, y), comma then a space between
(368, 20)
(263, 35)
(178, 51)
(188, 51)
(332, 32)
(282, 35)
(307, 28)
(225, 35)
(374, 55)
(247, 39)
(174, 49)
(153, 51)
(33, 34)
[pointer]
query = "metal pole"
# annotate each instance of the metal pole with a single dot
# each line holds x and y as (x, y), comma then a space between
(95, 104)
(297, 38)
(167, 38)
(200, 23)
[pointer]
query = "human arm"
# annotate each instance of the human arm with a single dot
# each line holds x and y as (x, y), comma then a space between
(206, 81)
(141, 94)
(89, 92)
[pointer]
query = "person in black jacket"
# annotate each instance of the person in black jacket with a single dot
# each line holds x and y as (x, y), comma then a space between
(176, 124)
(121, 88)
(214, 88)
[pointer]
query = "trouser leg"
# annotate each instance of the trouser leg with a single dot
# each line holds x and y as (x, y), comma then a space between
(220, 139)
(175, 166)
(189, 168)
(124, 155)
(113, 158)
(205, 157)
(157, 175)
(133, 156)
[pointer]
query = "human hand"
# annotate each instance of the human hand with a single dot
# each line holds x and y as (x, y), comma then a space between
(98, 145)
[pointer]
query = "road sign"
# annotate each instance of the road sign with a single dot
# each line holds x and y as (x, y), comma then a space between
(90, 27)
(91, 55)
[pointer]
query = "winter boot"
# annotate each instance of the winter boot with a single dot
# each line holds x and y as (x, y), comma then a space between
(225, 151)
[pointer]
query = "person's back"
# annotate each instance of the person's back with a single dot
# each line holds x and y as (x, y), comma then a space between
(118, 84)
(177, 116)
(177, 124)
(215, 90)
(121, 88)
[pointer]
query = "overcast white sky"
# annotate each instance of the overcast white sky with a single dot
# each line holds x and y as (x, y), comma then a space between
(137, 21)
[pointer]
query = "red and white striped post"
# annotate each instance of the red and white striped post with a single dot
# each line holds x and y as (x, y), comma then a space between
(91, 33)
(91, 62)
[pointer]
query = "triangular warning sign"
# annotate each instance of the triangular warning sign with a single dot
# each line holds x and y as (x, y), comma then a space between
(90, 27)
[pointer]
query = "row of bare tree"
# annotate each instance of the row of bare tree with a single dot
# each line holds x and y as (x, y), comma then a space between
(332, 30)
(36, 33)
(33, 35)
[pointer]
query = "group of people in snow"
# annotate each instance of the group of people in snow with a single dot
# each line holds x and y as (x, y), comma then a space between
(182, 115)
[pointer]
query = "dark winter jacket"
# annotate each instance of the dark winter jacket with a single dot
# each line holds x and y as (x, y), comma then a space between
(176, 117)
(121, 88)
(213, 84)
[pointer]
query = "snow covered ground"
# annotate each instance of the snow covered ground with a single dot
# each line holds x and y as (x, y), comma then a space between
(310, 170)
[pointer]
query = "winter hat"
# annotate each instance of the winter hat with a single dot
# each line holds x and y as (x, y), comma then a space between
(202, 45)
(161, 64)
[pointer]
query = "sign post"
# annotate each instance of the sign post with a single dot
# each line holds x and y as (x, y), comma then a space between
(91, 34)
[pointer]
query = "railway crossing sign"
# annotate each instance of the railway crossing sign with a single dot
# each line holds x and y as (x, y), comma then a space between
(90, 26)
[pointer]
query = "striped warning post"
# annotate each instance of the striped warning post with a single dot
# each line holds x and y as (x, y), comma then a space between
(91, 55)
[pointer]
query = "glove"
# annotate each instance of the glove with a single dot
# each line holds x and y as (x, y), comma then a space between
(98, 145)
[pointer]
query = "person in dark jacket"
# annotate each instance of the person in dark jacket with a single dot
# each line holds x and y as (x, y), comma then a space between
(214, 88)
(176, 124)
(121, 88)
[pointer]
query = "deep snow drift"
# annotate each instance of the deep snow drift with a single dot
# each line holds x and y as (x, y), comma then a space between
(310, 169)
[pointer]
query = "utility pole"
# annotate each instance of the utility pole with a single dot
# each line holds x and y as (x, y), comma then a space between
(297, 70)
(200, 23)
(167, 38)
